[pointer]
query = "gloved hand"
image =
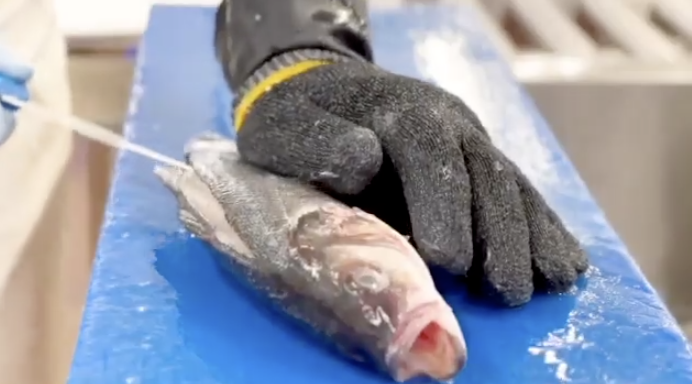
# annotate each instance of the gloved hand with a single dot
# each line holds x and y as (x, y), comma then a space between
(13, 78)
(420, 159)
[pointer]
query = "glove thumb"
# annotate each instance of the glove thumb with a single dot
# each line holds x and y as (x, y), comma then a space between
(293, 137)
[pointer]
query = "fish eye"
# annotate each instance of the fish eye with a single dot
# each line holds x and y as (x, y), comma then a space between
(369, 279)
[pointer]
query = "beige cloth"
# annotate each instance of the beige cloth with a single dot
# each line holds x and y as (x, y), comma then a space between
(44, 263)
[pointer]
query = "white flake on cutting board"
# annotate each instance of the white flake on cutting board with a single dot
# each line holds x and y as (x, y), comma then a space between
(556, 341)
(559, 342)
(137, 87)
(588, 312)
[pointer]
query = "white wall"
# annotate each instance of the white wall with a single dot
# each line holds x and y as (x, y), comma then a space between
(110, 18)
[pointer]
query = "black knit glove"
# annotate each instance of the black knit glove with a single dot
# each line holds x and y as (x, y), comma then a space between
(417, 157)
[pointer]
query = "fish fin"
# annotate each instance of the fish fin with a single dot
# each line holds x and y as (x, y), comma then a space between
(218, 240)
(169, 176)
(174, 179)
(201, 214)
(248, 197)
(194, 224)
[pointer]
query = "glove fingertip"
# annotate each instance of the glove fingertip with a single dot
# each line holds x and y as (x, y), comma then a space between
(554, 274)
(580, 260)
(509, 293)
(559, 242)
(517, 298)
(553, 258)
(502, 273)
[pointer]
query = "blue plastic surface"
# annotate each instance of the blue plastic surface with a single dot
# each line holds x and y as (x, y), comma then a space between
(160, 311)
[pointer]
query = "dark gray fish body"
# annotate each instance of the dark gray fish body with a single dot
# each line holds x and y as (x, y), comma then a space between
(340, 271)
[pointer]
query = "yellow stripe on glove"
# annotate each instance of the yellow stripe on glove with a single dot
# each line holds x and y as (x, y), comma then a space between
(268, 83)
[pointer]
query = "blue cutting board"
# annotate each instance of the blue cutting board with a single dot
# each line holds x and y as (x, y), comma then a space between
(160, 311)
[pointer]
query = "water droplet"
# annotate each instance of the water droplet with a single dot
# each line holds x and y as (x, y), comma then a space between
(258, 17)
(499, 166)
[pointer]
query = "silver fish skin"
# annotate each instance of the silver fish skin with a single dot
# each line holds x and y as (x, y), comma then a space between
(338, 270)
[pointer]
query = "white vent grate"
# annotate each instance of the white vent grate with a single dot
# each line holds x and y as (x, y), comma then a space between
(654, 30)
(640, 40)
(645, 41)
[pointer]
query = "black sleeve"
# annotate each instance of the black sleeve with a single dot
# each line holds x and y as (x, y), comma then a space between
(250, 32)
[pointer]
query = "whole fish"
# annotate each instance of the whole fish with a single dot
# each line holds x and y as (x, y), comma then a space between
(342, 272)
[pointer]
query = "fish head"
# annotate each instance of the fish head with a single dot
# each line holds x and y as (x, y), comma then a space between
(382, 292)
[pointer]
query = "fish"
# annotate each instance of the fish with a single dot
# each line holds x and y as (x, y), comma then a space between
(339, 271)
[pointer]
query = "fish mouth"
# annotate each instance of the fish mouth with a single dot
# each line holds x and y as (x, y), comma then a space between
(427, 343)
